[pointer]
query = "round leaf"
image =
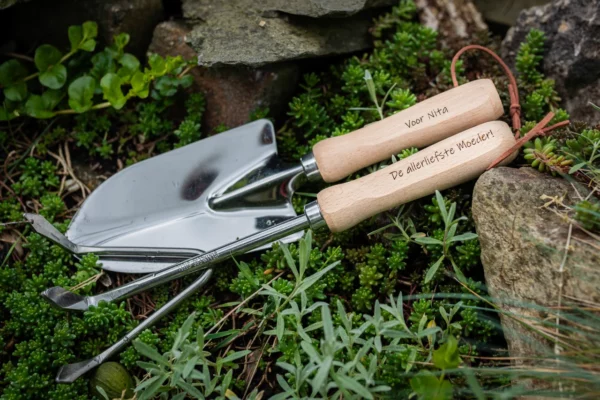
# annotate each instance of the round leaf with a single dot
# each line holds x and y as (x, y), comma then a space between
(54, 77)
(140, 85)
(90, 29)
(75, 36)
(130, 64)
(10, 72)
(81, 92)
(16, 92)
(46, 56)
(36, 108)
(111, 88)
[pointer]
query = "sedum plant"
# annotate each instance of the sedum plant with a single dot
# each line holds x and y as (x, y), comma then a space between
(73, 82)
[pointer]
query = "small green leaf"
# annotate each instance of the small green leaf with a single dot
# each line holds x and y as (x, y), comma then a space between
(280, 327)
(129, 66)
(428, 240)
(81, 92)
(577, 167)
(158, 65)
(82, 37)
(150, 352)
(353, 385)
(447, 356)
(52, 98)
(464, 237)
(441, 206)
(433, 269)
(46, 56)
(102, 393)
(16, 92)
(36, 107)
(140, 85)
(111, 88)
(11, 71)
(54, 77)
(235, 356)
(121, 40)
(75, 33)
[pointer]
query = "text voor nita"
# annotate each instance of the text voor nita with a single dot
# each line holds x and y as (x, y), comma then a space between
(430, 115)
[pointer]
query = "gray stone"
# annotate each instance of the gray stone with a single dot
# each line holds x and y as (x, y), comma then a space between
(232, 92)
(237, 32)
(456, 21)
(523, 248)
(505, 11)
(9, 3)
(136, 17)
(572, 55)
(323, 8)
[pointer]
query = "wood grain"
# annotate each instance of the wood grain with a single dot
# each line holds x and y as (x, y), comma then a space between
(448, 163)
(423, 124)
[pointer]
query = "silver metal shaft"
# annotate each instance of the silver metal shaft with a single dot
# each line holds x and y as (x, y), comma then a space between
(67, 300)
(70, 372)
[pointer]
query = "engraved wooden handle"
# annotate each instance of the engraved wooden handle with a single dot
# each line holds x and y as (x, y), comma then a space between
(450, 162)
(421, 125)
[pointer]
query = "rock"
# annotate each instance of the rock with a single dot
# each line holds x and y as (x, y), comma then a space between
(238, 32)
(456, 21)
(136, 17)
(9, 3)
(522, 249)
(572, 56)
(505, 12)
(232, 92)
(323, 8)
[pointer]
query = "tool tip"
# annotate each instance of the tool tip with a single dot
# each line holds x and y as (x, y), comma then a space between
(70, 372)
(64, 299)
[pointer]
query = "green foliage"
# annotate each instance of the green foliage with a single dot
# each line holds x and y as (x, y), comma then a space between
(324, 318)
(186, 370)
(112, 72)
(588, 214)
(541, 155)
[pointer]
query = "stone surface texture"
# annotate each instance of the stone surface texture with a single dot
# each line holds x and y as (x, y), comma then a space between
(244, 32)
(523, 247)
(232, 92)
(456, 21)
(572, 55)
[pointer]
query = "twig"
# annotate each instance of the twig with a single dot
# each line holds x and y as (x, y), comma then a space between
(233, 310)
(19, 56)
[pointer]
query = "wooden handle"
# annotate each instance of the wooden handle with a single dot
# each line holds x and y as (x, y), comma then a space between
(450, 162)
(419, 126)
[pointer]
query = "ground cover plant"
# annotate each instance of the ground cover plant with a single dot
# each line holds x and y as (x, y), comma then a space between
(392, 308)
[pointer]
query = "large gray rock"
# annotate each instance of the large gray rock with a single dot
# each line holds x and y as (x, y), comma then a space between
(523, 248)
(232, 92)
(572, 54)
(243, 32)
(323, 8)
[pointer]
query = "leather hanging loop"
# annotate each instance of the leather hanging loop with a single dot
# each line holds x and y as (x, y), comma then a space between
(515, 107)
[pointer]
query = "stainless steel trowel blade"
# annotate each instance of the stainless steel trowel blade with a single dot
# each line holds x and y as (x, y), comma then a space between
(165, 201)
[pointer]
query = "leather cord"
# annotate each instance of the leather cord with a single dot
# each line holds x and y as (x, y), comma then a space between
(540, 129)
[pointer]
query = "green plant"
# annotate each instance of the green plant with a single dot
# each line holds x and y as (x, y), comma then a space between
(449, 237)
(112, 72)
(175, 372)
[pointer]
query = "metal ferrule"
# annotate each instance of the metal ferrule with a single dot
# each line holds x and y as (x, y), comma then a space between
(314, 216)
(311, 169)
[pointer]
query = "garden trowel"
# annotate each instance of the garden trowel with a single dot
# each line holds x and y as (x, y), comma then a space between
(450, 162)
(232, 185)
